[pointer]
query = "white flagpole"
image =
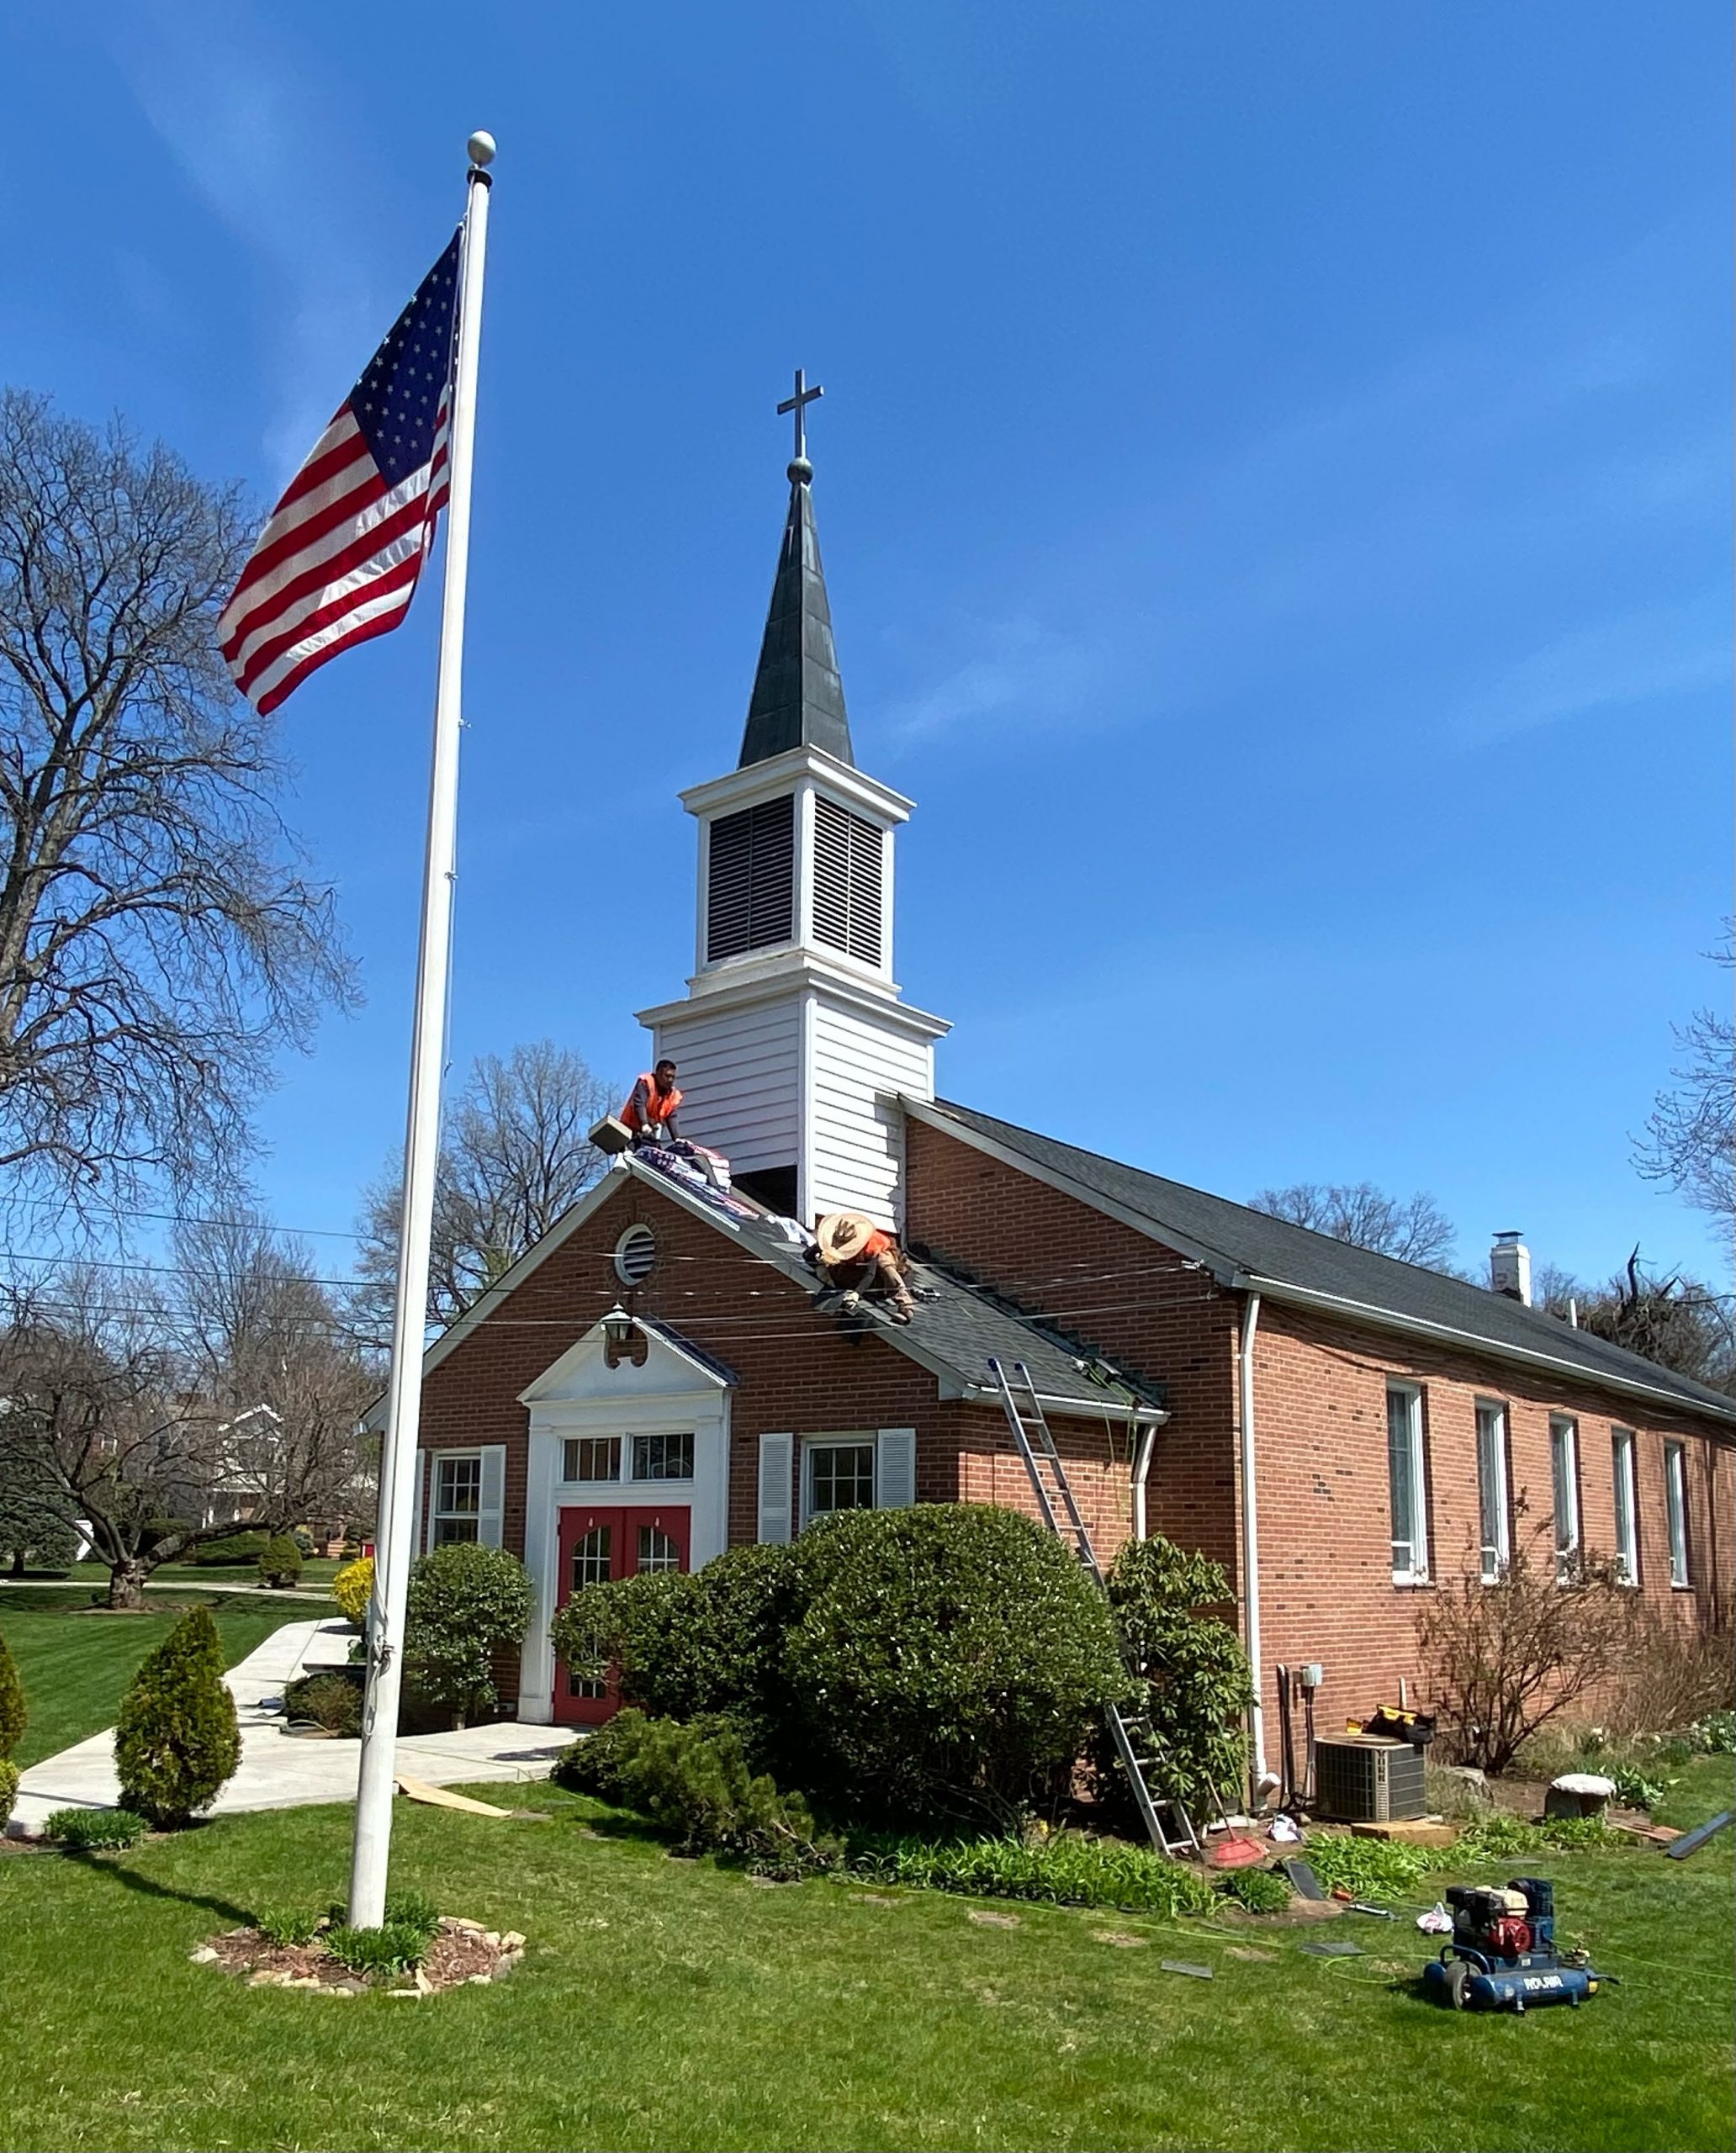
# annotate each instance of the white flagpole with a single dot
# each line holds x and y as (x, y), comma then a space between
(395, 1532)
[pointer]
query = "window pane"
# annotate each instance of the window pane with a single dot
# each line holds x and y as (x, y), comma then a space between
(458, 1485)
(663, 1457)
(840, 1478)
(1627, 1551)
(1401, 1461)
(590, 1558)
(593, 1458)
(657, 1551)
(448, 1529)
(1676, 1494)
(1492, 1488)
(1563, 1472)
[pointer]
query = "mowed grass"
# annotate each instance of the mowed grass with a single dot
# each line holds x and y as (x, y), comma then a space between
(318, 1571)
(74, 1663)
(671, 2004)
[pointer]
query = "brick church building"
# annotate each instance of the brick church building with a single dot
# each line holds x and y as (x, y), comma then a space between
(651, 1383)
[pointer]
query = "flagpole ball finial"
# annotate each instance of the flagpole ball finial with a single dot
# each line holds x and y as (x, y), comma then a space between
(481, 147)
(800, 471)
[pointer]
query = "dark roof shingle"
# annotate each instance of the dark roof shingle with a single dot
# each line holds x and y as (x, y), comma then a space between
(1239, 1241)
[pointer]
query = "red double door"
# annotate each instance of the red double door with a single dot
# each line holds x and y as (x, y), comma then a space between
(604, 1542)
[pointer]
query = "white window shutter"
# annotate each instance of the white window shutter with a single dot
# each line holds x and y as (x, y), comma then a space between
(776, 1460)
(491, 1504)
(895, 1469)
(427, 1535)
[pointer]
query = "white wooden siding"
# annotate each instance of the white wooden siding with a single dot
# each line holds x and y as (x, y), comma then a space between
(853, 1160)
(740, 1078)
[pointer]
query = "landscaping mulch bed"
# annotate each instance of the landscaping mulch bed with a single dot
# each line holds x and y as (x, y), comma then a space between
(461, 1952)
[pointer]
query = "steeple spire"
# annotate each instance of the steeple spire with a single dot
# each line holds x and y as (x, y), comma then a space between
(798, 697)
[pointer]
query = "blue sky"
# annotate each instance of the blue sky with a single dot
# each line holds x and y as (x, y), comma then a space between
(1273, 486)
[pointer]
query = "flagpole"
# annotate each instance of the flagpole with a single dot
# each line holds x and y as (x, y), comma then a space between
(395, 1531)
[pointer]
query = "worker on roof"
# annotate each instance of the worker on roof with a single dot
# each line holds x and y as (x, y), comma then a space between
(853, 1254)
(650, 1110)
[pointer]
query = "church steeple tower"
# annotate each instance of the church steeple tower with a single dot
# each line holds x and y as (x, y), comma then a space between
(793, 1041)
(798, 697)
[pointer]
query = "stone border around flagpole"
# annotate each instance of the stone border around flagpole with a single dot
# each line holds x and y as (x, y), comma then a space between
(394, 1532)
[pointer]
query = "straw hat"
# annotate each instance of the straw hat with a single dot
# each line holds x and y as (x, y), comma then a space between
(843, 1235)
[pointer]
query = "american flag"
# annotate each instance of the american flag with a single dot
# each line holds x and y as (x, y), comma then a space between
(338, 561)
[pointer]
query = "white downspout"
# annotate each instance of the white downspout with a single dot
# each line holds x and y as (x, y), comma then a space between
(1251, 1526)
(1145, 1443)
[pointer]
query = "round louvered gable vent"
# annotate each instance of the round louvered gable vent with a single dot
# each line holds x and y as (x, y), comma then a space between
(635, 1256)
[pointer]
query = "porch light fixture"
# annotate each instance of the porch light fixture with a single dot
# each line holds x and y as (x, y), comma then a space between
(617, 1328)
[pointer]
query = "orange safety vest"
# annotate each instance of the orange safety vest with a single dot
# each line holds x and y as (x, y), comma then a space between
(877, 1243)
(660, 1105)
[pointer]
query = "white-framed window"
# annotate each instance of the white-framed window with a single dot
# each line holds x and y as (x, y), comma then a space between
(663, 1457)
(1564, 1486)
(636, 1256)
(1627, 1510)
(1676, 1498)
(592, 1457)
(837, 1474)
(1496, 1528)
(1409, 1482)
(458, 1497)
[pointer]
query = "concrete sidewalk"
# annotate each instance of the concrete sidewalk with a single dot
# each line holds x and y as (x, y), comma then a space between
(277, 1771)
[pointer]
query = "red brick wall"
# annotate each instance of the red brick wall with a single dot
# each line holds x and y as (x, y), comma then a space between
(1325, 1514)
(1144, 1307)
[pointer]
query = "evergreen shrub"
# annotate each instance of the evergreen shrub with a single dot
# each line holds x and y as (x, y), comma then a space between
(330, 1699)
(466, 1602)
(9, 1776)
(1193, 1673)
(939, 1662)
(694, 1780)
(176, 1740)
(280, 1561)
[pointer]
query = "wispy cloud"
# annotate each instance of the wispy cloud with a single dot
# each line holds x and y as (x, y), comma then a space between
(1643, 657)
(1018, 673)
(263, 149)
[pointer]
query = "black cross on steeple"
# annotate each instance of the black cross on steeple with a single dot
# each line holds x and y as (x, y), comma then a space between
(804, 396)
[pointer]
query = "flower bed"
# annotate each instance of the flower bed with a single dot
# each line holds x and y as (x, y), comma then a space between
(457, 1952)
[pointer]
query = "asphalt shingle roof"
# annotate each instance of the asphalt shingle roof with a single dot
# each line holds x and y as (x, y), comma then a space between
(964, 1328)
(1236, 1239)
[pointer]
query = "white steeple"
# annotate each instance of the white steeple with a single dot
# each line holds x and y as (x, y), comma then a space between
(792, 1042)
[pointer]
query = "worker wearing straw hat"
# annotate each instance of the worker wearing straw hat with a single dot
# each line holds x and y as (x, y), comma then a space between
(855, 1254)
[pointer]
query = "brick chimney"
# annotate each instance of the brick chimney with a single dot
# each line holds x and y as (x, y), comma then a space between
(1510, 1267)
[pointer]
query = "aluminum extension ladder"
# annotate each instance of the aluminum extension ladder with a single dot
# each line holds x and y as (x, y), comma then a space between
(1060, 1511)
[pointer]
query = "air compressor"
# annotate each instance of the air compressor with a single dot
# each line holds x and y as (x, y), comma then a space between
(1502, 1956)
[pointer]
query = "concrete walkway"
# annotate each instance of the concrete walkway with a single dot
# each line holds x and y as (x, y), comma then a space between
(277, 1770)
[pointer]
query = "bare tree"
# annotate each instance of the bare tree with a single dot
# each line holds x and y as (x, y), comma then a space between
(514, 1155)
(168, 1410)
(1689, 1141)
(159, 940)
(1414, 1229)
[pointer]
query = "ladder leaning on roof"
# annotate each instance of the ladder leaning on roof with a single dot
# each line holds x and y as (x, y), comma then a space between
(1060, 1512)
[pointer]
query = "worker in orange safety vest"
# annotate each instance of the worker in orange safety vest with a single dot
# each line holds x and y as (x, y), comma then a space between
(856, 1256)
(650, 1109)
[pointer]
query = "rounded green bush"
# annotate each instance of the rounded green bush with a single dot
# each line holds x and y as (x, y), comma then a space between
(466, 1603)
(329, 1698)
(949, 1661)
(176, 1740)
(280, 1561)
(8, 1788)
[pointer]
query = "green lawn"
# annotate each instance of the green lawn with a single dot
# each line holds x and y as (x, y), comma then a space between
(75, 1663)
(316, 1570)
(670, 2004)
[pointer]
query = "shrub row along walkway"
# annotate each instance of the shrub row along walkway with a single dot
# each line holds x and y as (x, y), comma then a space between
(277, 1772)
